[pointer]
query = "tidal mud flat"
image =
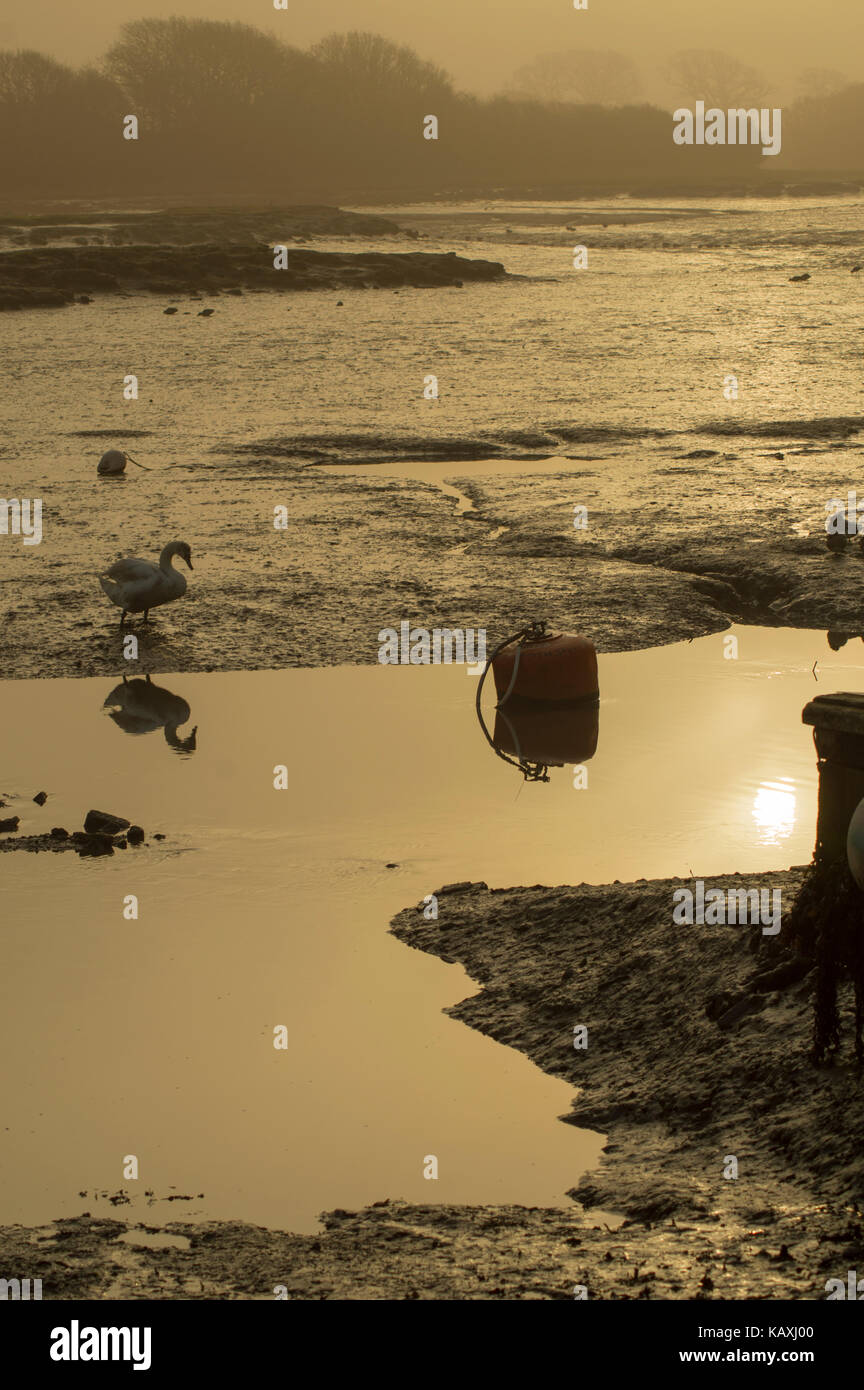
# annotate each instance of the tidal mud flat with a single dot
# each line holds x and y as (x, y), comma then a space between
(57, 259)
(52, 262)
(678, 1084)
(472, 532)
(50, 278)
(476, 529)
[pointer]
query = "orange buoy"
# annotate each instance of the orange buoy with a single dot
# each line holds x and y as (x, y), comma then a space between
(547, 712)
(547, 667)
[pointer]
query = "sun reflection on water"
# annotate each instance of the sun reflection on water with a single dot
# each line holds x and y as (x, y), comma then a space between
(774, 811)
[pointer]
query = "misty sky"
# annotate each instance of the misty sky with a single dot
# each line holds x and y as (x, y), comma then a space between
(481, 42)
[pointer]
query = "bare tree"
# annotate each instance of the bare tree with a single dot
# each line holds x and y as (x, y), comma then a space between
(199, 70)
(374, 67)
(587, 76)
(821, 82)
(718, 79)
(27, 77)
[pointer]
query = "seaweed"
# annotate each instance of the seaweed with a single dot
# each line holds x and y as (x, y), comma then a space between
(827, 925)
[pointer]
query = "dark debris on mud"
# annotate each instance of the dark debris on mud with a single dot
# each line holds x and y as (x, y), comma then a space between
(396, 1251)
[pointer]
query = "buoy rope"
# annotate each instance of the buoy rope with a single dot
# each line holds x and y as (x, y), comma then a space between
(537, 772)
(509, 691)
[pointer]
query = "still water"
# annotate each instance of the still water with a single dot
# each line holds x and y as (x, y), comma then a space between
(263, 908)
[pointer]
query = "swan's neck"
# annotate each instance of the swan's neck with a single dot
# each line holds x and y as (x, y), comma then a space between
(173, 738)
(166, 557)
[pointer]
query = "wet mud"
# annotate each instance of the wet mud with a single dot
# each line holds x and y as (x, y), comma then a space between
(190, 226)
(361, 552)
(678, 1081)
(51, 277)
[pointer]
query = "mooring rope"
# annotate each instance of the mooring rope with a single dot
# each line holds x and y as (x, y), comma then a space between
(537, 771)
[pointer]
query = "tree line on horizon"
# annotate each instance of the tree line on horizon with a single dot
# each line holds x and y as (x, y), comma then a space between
(226, 109)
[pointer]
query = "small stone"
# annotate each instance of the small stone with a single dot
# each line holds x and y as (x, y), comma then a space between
(10, 824)
(135, 835)
(58, 833)
(158, 837)
(40, 798)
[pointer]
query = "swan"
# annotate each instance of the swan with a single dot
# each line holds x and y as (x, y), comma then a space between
(136, 586)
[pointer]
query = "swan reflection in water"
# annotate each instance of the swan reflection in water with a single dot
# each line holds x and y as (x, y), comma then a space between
(138, 707)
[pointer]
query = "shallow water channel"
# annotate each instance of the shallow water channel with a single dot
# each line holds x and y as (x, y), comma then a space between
(262, 908)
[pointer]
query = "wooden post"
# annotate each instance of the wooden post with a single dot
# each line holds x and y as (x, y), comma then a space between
(838, 733)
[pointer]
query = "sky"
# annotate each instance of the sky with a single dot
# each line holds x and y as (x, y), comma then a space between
(482, 42)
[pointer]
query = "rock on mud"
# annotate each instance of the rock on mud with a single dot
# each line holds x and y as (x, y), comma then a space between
(102, 822)
(92, 845)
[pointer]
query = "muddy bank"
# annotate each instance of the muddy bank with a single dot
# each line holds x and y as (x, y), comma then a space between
(396, 1251)
(51, 277)
(673, 548)
(193, 226)
(678, 1087)
(358, 555)
(719, 1065)
(542, 442)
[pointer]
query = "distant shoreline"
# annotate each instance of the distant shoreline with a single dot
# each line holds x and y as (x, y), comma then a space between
(795, 183)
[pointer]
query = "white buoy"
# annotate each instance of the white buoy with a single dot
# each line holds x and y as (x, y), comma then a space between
(855, 845)
(112, 463)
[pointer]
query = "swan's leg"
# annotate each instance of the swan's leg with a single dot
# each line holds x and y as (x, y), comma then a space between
(122, 617)
(146, 615)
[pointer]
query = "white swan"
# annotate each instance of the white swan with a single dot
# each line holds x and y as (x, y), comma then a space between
(136, 586)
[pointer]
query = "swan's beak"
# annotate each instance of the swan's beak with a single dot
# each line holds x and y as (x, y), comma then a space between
(189, 563)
